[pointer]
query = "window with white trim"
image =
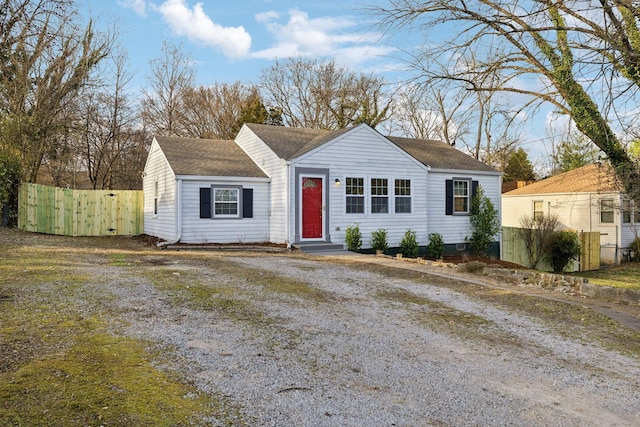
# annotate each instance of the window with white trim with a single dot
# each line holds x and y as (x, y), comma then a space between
(226, 202)
(538, 209)
(379, 195)
(606, 211)
(461, 192)
(402, 192)
(354, 190)
(626, 211)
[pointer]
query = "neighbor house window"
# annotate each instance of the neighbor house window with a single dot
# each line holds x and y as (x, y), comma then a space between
(461, 196)
(155, 197)
(606, 211)
(225, 202)
(379, 195)
(538, 209)
(626, 211)
(402, 195)
(354, 189)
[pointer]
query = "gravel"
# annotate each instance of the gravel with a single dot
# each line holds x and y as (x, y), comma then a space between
(355, 355)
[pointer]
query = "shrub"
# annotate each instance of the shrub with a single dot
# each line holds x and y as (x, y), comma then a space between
(635, 248)
(379, 240)
(472, 267)
(537, 234)
(485, 222)
(435, 248)
(409, 244)
(353, 238)
(564, 248)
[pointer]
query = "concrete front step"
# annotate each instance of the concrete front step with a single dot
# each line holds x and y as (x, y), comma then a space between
(310, 248)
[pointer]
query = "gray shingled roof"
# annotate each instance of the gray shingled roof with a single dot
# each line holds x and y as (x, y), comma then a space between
(289, 143)
(208, 157)
(439, 155)
(591, 178)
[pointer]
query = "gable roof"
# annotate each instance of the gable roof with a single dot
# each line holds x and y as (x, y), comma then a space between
(439, 155)
(208, 157)
(591, 178)
(289, 143)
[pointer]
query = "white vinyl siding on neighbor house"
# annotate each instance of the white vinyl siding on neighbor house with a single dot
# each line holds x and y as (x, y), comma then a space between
(343, 157)
(159, 186)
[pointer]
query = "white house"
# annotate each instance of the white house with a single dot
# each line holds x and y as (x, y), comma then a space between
(300, 186)
(584, 199)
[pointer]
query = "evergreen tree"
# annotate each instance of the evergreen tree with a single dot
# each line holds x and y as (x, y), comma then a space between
(519, 167)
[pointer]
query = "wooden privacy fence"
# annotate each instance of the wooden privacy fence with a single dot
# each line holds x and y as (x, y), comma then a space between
(53, 210)
(514, 250)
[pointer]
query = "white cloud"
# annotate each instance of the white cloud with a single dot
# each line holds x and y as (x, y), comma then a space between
(138, 6)
(194, 23)
(332, 37)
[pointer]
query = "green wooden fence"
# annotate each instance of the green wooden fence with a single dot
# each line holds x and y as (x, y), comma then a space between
(514, 250)
(53, 210)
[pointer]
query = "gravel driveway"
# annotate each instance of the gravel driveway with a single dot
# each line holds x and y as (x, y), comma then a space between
(351, 347)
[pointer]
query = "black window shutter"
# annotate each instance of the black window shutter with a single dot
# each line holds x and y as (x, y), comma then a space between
(205, 202)
(449, 197)
(247, 203)
(474, 188)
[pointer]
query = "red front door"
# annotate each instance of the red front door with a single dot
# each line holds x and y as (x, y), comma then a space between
(311, 208)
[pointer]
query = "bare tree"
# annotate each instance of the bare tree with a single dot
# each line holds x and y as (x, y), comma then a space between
(323, 95)
(583, 56)
(537, 234)
(46, 59)
(171, 76)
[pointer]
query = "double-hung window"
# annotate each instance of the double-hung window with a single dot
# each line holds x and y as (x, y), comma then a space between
(626, 211)
(538, 209)
(354, 190)
(225, 202)
(461, 193)
(402, 191)
(379, 195)
(606, 211)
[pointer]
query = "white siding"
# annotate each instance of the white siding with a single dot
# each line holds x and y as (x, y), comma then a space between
(157, 169)
(364, 153)
(455, 228)
(576, 211)
(275, 168)
(236, 230)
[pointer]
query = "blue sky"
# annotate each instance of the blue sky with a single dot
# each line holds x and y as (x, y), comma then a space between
(234, 40)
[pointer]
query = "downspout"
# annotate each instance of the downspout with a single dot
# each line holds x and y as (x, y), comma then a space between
(287, 182)
(178, 216)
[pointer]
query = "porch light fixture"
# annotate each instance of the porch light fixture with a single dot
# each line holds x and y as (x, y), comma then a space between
(337, 181)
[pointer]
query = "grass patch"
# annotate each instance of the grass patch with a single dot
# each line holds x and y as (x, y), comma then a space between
(100, 380)
(619, 276)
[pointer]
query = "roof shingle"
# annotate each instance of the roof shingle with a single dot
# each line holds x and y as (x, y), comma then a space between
(591, 178)
(208, 157)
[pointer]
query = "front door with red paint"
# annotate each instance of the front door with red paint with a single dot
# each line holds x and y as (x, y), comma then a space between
(311, 208)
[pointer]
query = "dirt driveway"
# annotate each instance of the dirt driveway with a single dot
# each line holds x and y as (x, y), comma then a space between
(292, 340)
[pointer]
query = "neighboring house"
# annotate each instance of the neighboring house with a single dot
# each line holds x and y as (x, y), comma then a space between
(296, 186)
(584, 199)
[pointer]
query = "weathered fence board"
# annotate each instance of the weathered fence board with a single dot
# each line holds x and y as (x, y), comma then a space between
(514, 250)
(53, 210)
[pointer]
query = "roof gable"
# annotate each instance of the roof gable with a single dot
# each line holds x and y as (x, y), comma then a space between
(207, 157)
(593, 178)
(290, 143)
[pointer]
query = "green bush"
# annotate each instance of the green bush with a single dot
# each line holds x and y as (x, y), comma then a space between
(409, 244)
(379, 240)
(435, 248)
(353, 238)
(564, 248)
(484, 222)
(10, 171)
